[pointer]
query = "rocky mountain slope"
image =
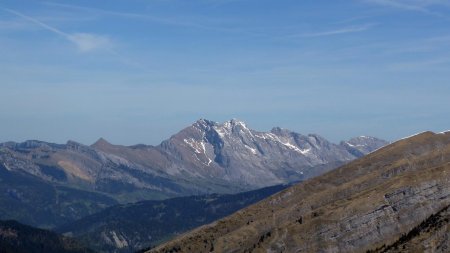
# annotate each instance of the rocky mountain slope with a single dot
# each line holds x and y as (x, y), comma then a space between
(206, 157)
(432, 235)
(358, 207)
(125, 228)
(18, 238)
(249, 158)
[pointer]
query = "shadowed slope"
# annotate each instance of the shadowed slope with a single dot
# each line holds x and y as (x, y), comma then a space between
(18, 238)
(125, 228)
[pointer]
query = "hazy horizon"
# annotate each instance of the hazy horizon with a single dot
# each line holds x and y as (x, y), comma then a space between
(167, 137)
(139, 71)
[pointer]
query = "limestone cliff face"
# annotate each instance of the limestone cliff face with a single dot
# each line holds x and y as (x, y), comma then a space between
(358, 207)
(432, 235)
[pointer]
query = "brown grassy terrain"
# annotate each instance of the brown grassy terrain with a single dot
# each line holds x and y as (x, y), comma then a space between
(360, 206)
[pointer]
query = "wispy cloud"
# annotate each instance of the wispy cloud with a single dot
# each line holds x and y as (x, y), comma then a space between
(350, 29)
(206, 23)
(172, 21)
(85, 42)
(413, 5)
(406, 5)
(89, 42)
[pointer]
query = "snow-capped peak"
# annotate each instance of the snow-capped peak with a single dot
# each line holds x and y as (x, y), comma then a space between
(234, 122)
(204, 122)
(230, 126)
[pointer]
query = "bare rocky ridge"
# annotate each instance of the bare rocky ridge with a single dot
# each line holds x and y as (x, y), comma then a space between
(360, 206)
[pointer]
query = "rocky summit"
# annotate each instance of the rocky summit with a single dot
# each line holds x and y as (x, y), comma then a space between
(395, 199)
(239, 155)
(206, 157)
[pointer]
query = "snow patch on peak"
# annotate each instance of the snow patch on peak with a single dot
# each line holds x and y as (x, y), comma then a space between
(267, 136)
(204, 123)
(407, 137)
(348, 143)
(234, 122)
(227, 124)
(237, 122)
(253, 150)
(355, 145)
(203, 146)
(365, 137)
(413, 135)
(225, 129)
(274, 137)
(295, 148)
(220, 131)
(193, 144)
(199, 148)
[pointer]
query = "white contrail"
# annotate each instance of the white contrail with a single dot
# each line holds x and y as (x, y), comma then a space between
(37, 22)
(352, 29)
(84, 41)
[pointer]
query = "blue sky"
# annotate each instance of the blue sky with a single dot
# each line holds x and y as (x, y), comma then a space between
(137, 71)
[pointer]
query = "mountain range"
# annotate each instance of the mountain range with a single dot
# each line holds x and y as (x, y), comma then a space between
(395, 199)
(64, 182)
